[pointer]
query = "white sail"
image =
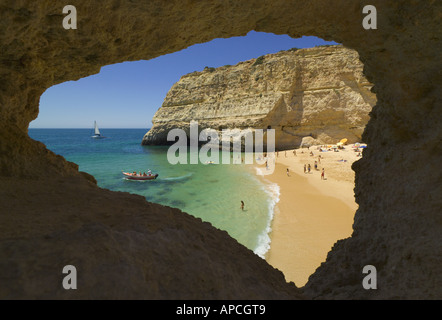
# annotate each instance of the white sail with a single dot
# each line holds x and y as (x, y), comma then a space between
(97, 132)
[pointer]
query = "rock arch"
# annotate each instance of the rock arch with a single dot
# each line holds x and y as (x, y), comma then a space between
(397, 227)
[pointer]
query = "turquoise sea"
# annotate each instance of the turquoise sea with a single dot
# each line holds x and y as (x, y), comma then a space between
(210, 192)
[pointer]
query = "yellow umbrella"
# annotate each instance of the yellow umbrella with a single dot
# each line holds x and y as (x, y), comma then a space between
(344, 141)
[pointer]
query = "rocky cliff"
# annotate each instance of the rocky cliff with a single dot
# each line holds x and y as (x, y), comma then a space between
(319, 92)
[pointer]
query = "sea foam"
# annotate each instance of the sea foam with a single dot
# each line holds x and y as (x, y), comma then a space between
(263, 245)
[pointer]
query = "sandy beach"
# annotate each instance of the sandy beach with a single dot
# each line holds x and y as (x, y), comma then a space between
(312, 213)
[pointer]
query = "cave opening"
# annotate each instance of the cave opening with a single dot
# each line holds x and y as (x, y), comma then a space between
(119, 106)
(52, 216)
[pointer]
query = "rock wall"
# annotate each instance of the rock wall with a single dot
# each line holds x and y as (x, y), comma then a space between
(398, 223)
(319, 92)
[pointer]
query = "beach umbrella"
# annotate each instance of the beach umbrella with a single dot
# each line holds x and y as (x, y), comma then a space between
(343, 141)
(363, 147)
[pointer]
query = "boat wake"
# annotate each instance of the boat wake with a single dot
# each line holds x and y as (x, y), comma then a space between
(179, 178)
(131, 180)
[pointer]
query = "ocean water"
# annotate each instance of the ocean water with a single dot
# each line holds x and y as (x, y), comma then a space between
(210, 192)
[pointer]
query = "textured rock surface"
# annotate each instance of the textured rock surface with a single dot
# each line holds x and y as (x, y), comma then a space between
(398, 223)
(319, 92)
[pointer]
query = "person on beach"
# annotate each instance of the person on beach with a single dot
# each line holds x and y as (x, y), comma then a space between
(294, 153)
(309, 168)
(323, 174)
(242, 205)
(288, 172)
(316, 165)
(305, 169)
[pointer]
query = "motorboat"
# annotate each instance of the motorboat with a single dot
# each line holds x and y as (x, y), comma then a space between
(142, 177)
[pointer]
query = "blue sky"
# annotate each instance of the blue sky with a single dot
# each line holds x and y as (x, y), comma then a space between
(127, 95)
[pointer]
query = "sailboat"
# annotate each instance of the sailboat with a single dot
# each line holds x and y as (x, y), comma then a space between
(97, 134)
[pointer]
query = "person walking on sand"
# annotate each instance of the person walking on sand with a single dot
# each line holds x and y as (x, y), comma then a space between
(309, 168)
(288, 172)
(242, 205)
(305, 169)
(323, 174)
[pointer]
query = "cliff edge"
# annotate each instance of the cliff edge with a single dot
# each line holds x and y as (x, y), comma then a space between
(319, 92)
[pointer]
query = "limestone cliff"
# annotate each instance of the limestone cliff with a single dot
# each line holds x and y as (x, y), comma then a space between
(319, 92)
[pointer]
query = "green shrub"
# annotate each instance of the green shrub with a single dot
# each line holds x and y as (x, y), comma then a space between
(259, 61)
(210, 69)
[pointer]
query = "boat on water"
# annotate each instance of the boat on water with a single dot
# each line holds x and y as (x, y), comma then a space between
(142, 177)
(97, 134)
